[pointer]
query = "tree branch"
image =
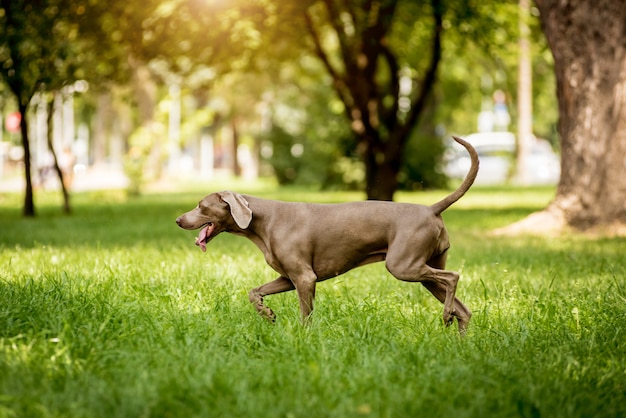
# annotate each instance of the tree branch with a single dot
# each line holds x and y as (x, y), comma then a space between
(390, 118)
(344, 43)
(417, 105)
(340, 84)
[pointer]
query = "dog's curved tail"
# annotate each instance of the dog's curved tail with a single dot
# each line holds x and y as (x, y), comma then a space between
(443, 204)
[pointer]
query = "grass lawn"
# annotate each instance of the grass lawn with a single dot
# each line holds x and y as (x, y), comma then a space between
(113, 312)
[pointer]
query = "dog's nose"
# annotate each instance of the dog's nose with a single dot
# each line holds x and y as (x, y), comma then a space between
(178, 220)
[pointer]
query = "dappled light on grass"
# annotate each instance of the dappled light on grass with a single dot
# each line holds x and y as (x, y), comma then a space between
(114, 312)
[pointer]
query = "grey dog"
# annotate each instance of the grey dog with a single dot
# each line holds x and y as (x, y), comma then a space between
(307, 243)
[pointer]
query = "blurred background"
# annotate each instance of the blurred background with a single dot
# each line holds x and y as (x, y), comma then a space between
(328, 94)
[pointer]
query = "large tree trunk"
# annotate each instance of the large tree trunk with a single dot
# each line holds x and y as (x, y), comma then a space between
(381, 172)
(588, 42)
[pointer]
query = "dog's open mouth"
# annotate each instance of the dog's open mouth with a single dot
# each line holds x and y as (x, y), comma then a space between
(204, 235)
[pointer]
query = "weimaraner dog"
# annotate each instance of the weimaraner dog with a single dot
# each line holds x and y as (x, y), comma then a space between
(307, 243)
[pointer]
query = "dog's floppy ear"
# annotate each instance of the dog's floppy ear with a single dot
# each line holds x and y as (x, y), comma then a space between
(242, 214)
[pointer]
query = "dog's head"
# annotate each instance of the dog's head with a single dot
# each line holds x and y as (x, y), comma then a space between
(217, 212)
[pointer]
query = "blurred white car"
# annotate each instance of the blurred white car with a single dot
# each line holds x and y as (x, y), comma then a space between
(496, 151)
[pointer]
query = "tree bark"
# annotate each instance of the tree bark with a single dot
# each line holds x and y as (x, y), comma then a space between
(235, 147)
(588, 42)
(49, 136)
(29, 203)
(13, 75)
(381, 172)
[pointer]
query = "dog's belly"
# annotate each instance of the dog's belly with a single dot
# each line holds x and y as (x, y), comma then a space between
(326, 269)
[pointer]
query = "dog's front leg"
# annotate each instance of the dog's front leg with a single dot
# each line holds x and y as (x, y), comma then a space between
(282, 284)
(306, 294)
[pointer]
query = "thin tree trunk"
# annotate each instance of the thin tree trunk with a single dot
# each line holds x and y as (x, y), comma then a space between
(102, 121)
(29, 204)
(49, 137)
(235, 147)
(524, 96)
(145, 91)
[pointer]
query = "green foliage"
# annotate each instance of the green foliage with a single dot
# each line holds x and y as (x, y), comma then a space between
(308, 135)
(48, 44)
(114, 312)
(311, 161)
(479, 43)
(284, 164)
(422, 156)
(135, 160)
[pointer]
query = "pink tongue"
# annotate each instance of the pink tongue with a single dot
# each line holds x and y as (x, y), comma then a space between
(204, 234)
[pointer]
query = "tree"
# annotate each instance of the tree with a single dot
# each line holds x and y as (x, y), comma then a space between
(57, 167)
(524, 96)
(42, 49)
(14, 69)
(369, 77)
(588, 42)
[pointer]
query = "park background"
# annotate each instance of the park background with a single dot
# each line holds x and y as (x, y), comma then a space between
(131, 112)
(193, 90)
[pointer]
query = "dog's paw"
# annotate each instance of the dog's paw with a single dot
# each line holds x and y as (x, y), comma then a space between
(268, 314)
(448, 318)
(463, 324)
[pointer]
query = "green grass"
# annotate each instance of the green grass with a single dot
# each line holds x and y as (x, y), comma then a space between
(113, 312)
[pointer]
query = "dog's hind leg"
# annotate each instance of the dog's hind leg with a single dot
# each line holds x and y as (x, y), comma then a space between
(445, 282)
(461, 312)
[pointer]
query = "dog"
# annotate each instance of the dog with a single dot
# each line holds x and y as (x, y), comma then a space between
(306, 243)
